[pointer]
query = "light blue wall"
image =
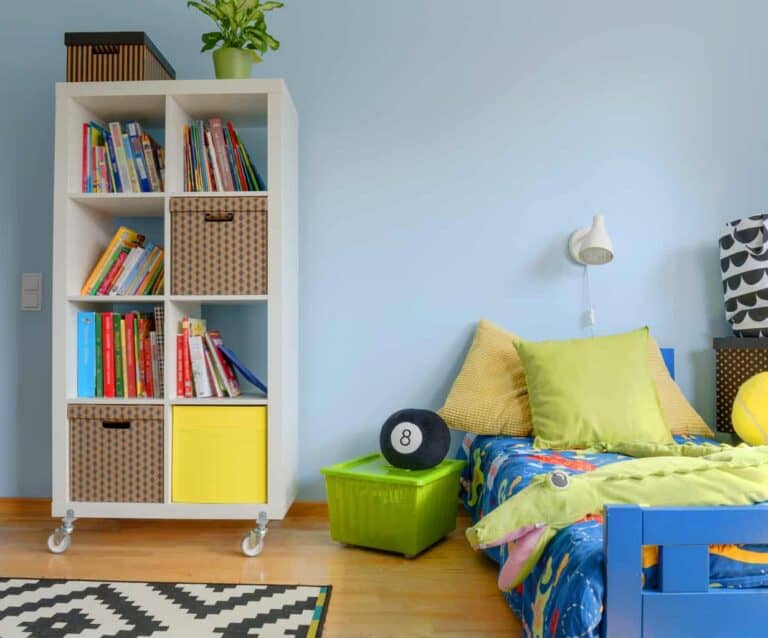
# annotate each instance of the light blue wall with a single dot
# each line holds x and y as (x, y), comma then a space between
(448, 148)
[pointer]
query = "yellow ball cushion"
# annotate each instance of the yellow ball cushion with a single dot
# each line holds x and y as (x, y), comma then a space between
(490, 396)
(750, 410)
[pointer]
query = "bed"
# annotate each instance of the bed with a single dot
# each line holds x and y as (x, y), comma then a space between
(690, 590)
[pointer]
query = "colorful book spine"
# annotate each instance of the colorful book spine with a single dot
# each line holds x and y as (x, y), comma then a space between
(125, 270)
(124, 348)
(179, 365)
(86, 354)
(134, 138)
(199, 373)
(211, 372)
(137, 357)
(189, 390)
(133, 175)
(85, 182)
(122, 235)
(108, 334)
(155, 354)
(146, 359)
(149, 160)
(99, 357)
(217, 133)
(119, 340)
(116, 137)
(232, 162)
(114, 271)
(237, 158)
(226, 370)
(130, 355)
(214, 162)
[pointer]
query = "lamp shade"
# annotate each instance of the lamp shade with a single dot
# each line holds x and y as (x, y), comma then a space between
(592, 246)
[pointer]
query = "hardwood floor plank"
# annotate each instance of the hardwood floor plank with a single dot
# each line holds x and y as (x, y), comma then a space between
(447, 591)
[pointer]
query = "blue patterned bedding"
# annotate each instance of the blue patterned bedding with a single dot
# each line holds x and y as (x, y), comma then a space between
(563, 595)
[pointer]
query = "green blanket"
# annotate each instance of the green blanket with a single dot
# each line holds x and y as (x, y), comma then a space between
(671, 475)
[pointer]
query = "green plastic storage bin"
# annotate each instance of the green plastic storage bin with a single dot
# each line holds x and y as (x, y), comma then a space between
(372, 504)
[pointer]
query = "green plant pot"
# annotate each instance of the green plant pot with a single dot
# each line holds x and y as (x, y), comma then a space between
(232, 63)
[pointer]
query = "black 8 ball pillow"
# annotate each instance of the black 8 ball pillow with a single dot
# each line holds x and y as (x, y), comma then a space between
(414, 439)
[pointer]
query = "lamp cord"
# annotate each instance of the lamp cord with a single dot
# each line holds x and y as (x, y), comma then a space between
(588, 300)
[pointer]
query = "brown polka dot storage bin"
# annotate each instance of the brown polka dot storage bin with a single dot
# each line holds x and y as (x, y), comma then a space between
(737, 359)
(218, 245)
(116, 453)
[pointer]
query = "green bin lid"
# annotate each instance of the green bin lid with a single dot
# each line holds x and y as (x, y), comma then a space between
(374, 467)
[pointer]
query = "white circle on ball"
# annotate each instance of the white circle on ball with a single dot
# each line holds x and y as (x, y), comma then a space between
(406, 437)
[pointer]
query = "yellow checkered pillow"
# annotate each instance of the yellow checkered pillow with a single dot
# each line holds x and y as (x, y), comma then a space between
(490, 395)
(678, 413)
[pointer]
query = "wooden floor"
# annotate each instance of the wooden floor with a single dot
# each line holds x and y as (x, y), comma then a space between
(447, 591)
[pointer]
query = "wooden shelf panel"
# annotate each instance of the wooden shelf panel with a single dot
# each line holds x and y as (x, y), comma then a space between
(116, 299)
(115, 401)
(219, 299)
(220, 194)
(244, 399)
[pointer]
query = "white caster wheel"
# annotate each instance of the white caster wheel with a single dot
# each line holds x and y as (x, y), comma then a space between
(59, 542)
(252, 544)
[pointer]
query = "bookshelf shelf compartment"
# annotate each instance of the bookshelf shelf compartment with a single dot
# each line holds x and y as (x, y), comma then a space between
(123, 204)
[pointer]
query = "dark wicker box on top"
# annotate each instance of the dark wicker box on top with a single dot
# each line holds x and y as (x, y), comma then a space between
(737, 359)
(114, 56)
(219, 245)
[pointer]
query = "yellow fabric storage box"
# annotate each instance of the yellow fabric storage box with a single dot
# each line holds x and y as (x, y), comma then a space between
(219, 454)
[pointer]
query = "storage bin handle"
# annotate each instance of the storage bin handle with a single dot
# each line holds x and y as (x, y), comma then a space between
(219, 217)
(105, 49)
(116, 425)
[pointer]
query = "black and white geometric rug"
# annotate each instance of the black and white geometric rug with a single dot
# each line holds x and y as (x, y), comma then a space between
(99, 609)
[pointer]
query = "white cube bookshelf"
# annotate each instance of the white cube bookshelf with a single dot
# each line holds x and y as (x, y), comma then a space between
(84, 223)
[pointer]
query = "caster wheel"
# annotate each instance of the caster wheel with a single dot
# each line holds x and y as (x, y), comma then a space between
(252, 545)
(59, 542)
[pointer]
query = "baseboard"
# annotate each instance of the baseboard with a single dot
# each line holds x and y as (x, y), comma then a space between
(25, 506)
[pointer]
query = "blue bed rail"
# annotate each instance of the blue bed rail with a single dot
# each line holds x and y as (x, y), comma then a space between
(684, 604)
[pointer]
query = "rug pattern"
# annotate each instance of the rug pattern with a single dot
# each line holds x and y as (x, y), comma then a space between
(99, 609)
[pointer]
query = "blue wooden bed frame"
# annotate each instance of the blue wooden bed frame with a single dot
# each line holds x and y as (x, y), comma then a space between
(684, 605)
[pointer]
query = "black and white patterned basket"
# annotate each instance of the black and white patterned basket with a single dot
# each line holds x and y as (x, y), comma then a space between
(744, 266)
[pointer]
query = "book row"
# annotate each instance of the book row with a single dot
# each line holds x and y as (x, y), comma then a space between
(205, 367)
(131, 265)
(215, 159)
(120, 355)
(121, 162)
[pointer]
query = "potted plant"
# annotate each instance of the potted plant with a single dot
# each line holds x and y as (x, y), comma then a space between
(242, 34)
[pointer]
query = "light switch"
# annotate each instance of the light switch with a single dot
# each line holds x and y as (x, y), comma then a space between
(31, 291)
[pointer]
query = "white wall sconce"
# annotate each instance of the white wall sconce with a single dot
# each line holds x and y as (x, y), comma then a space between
(592, 246)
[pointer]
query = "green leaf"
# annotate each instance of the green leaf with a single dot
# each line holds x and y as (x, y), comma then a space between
(207, 9)
(269, 6)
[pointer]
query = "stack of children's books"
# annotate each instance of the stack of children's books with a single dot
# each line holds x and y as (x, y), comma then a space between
(121, 162)
(130, 265)
(205, 367)
(119, 355)
(215, 159)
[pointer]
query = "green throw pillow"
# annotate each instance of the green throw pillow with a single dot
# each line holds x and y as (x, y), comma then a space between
(589, 391)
